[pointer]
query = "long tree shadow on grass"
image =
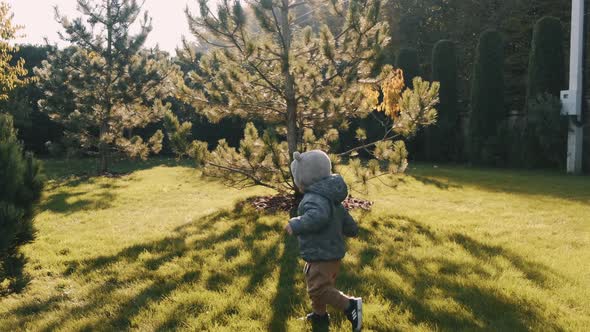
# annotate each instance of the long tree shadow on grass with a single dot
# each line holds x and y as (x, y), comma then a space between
(438, 183)
(388, 266)
(534, 183)
(74, 199)
(419, 283)
(71, 172)
(73, 182)
(13, 279)
(189, 247)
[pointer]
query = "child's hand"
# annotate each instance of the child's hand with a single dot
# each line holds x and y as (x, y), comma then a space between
(288, 229)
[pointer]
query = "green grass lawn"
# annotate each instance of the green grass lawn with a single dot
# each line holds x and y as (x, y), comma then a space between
(162, 248)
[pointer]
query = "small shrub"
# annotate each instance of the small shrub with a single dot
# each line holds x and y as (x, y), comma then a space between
(54, 149)
(179, 134)
(546, 133)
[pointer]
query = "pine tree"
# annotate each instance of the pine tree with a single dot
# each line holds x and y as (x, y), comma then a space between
(443, 138)
(105, 84)
(21, 180)
(407, 60)
(304, 81)
(21, 184)
(487, 96)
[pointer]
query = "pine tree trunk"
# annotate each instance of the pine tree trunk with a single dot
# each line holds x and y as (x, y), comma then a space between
(104, 162)
(292, 126)
(104, 128)
(290, 98)
(103, 151)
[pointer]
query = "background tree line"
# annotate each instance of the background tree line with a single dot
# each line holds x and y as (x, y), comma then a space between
(421, 24)
(415, 29)
(523, 129)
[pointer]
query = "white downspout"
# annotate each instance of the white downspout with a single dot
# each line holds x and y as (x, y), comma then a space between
(572, 99)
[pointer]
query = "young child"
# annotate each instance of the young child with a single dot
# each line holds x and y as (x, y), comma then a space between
(321, 227)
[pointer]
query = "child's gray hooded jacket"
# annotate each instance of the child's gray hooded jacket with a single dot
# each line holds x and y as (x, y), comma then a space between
(323, 222)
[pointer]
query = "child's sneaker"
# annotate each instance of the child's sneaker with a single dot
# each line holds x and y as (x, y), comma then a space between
(354, 313)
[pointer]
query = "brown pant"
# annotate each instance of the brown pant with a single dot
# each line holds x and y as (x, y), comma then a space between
(320, 278)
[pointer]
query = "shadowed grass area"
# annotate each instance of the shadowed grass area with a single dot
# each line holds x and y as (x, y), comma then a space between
(527, 182)
(162, 249)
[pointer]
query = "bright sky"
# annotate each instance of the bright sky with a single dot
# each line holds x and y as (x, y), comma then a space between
(169, 20)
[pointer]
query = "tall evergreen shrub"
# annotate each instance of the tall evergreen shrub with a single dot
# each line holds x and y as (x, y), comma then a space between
(546, 72)
(443, 138)
(545, 133)
(487, 98)
(407, 61)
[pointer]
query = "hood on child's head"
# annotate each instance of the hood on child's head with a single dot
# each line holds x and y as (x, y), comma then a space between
(312, 171)
(332, 187)
(310, 167)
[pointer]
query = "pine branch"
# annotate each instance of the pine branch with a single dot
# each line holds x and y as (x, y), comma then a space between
(256, 180)
(368, 145)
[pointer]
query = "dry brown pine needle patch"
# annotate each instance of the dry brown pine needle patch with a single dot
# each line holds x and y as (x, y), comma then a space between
(285, 202)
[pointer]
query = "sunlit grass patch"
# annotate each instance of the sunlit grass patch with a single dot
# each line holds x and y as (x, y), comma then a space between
(161, 248)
